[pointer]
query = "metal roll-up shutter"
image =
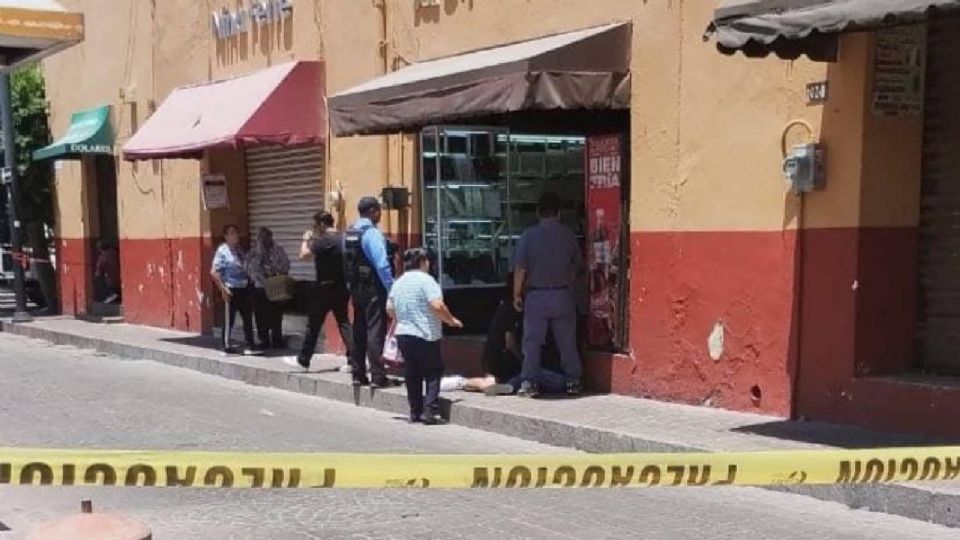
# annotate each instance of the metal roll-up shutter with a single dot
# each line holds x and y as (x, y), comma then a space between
(284, 190)
(939, 321)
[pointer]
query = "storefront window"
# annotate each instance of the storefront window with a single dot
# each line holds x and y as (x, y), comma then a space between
(480, 191)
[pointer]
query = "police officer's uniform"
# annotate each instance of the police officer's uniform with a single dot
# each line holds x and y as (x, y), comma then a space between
(550, 255)
(369, 284)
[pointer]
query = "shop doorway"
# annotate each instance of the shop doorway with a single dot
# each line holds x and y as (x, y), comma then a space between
(480, 191)
(938, 331)
(106, 280)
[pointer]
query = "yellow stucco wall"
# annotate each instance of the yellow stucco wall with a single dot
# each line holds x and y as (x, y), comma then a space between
(135, 53)
(705, 128)
(697, 116)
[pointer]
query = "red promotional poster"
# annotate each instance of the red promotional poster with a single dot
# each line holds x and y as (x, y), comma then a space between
(604, 207)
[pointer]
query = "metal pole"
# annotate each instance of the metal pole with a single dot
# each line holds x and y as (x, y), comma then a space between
(13, 191)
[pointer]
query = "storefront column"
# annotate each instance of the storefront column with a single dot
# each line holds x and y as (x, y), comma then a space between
(76, 226)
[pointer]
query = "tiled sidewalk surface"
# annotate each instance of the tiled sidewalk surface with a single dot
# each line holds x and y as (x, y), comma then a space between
(604, 423)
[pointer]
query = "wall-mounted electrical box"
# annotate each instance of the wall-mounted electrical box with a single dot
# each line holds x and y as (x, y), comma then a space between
(395, 198)
(803, 168)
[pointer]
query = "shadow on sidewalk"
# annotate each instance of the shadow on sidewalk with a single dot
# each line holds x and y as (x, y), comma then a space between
(213, 344)
(837, 435)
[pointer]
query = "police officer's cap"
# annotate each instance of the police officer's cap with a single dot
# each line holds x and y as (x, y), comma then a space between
(367, 204)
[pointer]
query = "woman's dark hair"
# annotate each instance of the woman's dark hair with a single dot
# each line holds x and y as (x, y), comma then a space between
(323, 218)
(414, 257)
(231, 227)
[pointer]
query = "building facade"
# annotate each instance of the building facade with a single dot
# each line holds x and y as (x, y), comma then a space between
(735, 292)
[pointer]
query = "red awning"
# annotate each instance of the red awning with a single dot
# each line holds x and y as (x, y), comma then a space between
(279, 105)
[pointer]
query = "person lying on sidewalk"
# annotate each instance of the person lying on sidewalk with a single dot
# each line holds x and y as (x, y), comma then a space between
(550, 377)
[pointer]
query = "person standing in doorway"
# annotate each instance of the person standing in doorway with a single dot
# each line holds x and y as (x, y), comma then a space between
(266, 260)
(107, 273)
(231, 278)
(369, 277)
(546, 263)
(416, 304)
(324, 245)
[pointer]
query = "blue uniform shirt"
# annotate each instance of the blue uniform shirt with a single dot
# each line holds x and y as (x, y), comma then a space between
(548, 251)
(375, 248)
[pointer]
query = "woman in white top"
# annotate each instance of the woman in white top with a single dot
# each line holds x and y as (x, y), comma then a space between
(416, 305)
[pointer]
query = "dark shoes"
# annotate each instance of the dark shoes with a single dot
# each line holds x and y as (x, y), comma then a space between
(528, 390)
(574, 388)
(433, 419)
(378, 382)
(381, 382)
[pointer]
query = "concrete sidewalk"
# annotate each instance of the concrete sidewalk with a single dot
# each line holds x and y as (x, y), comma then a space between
(605, 423)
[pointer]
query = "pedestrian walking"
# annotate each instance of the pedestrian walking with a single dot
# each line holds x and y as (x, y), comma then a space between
(369, 277)
(267, 260)
(546, 263)
(229, 274)
(416, 305)
(324, 245)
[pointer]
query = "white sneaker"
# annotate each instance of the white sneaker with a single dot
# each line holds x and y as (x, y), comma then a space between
(293, 361)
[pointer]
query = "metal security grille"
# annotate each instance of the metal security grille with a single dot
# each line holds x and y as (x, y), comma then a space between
(284, 190)
(939, 318)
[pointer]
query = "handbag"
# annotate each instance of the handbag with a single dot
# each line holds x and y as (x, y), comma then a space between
(279, 288)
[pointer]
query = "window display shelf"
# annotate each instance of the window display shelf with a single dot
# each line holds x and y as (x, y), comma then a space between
(490, 182)
(460, 287)
(466, 220)
(456, 184)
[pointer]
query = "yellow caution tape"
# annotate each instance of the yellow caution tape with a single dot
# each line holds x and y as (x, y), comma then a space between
(286, 470)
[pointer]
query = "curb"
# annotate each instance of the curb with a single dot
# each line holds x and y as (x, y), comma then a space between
(913, 502)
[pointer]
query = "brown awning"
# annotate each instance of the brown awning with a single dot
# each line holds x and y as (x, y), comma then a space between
(33, 29)
(586, 69)
(790, 28)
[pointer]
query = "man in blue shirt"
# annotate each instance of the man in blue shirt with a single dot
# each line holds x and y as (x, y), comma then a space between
(546, 264)
(369, 275)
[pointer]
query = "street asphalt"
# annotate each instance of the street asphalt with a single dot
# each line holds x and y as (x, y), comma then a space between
(68, 398)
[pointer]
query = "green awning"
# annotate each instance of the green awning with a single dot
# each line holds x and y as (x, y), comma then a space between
(89, 133)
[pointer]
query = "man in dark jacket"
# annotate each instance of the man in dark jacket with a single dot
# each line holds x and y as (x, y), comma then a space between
(324, 245)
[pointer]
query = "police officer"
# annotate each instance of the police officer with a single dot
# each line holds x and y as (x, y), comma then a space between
(369, 275)
(546, 264)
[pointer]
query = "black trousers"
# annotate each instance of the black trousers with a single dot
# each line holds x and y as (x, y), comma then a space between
(369, 333)
(421, 364)
(327, 297)
(269, 318)
(239, 303)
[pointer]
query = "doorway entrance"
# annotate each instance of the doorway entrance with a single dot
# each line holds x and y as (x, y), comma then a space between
(107, 289)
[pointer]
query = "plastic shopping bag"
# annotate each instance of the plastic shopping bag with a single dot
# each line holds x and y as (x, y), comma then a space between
(391, 352)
